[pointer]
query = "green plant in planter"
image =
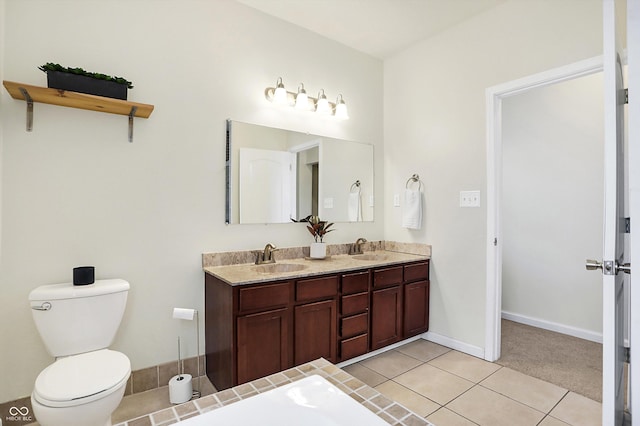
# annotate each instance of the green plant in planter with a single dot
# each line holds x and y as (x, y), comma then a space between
(318, 228)
(50, 66)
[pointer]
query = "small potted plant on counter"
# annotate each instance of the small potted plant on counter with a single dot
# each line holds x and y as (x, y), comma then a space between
(79, 80)
(318, 228)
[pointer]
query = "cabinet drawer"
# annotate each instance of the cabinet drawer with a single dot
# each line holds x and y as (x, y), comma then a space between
(355, 303)
(418, 271)
(387, 277)
(354, 346)
(316, 288)
(356, 324)
(264, 297)
(355, 283)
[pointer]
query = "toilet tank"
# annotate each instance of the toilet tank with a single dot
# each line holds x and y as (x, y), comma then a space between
(77, 319)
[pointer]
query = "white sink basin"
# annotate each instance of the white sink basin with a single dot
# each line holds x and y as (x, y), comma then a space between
(370, 256)
(311, 401)
(273, 268)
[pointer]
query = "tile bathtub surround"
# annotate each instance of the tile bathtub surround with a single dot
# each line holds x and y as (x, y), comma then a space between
(390, 411)
(249, 256)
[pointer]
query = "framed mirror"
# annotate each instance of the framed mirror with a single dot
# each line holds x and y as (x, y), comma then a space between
(277, 176)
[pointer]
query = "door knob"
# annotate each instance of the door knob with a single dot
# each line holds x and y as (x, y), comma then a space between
(592, 265)
(609, 267)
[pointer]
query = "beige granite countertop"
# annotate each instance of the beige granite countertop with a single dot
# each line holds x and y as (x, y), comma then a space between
(249, 273)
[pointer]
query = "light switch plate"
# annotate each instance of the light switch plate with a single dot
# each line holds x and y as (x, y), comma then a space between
(328, 203)
(396, 200)
(370, 200)
(469, 198)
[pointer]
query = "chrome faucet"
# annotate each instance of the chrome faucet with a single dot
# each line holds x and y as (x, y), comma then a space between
(267, 255)
(356, 248)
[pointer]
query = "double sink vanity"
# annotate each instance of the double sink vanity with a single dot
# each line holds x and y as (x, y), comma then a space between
(265, 318)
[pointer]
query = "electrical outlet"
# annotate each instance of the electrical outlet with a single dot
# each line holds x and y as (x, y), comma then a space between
(469, 198)
(370, 200)
(396, 200)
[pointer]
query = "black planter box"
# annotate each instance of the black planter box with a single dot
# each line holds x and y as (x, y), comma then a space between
(84, 84)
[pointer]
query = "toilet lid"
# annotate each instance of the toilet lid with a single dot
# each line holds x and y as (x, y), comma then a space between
(83, 375)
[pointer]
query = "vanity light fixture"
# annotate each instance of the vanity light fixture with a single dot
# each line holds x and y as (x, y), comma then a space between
(322, 105)
(301, 101)
(341, 108)
(280, 94)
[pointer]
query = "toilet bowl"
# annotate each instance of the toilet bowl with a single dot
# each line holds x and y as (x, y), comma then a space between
(77, 324)
(81, 389)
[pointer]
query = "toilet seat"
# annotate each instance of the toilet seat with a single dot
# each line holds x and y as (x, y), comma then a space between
(80, 379)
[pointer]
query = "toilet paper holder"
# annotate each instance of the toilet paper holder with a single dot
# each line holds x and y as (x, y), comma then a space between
(189, 315)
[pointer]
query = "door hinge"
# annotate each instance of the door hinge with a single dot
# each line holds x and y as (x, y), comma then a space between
(627, 225)
(626, 96)
(627, 355)
(495, 242)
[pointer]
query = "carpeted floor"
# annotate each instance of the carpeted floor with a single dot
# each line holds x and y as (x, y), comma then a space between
(569, 362)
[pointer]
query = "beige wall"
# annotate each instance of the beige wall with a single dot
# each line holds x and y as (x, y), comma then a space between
(75, 192)
(434, 94)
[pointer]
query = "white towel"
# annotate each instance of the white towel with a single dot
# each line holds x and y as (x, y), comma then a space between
(412, 212)
(354, 207)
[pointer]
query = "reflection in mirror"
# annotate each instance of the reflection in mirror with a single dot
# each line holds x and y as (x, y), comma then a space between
(276, 176)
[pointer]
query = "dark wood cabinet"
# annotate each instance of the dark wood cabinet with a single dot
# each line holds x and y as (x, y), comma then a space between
(416, 299)
(386, 317)
(416, 308)
(315, 331)
(263, 344)
(255, 330)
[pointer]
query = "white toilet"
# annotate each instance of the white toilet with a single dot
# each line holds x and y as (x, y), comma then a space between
(77, 324)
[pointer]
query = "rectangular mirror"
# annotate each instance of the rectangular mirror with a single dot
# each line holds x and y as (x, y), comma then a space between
(276, 175)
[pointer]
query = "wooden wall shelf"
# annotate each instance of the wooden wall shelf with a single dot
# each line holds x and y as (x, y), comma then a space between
(70, 99)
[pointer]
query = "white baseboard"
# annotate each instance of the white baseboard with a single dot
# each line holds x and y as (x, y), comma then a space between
(554, 326)
(468, 349)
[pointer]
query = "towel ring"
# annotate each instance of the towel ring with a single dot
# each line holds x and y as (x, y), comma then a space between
(414, 178)
(356, 184)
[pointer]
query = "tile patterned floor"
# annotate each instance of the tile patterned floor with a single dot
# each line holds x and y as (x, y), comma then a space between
(446, 387)
(450, 388)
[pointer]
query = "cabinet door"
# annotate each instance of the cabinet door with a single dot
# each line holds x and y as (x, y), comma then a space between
(386, 317)
(416, 308)
(315, 331)
(263, 344)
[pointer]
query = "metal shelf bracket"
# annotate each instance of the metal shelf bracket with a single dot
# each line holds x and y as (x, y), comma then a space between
(29, 101)
(131, 114)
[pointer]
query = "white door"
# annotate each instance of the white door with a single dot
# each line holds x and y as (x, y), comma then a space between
(613, 280)
(267, 186)
(633, 82)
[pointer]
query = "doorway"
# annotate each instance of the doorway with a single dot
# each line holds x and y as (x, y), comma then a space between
(495, 103)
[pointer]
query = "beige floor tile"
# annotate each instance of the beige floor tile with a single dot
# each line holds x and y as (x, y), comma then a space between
(488, 408)
(550, 421)
(578, 411)
(535, 393)
(139, 404)
(391, 363)
(364, 374)
(446, 417)
(413, 401)
(465, 366)
(433, 383)
(423, 350)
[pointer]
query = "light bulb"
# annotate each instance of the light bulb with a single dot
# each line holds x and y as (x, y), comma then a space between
(322, 106)
(280, 94)
(302, 100)
(341, 109)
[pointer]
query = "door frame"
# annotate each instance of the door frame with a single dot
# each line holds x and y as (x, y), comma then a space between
(494, 96)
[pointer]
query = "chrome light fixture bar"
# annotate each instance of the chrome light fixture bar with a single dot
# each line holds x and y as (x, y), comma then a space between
(301, 101)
